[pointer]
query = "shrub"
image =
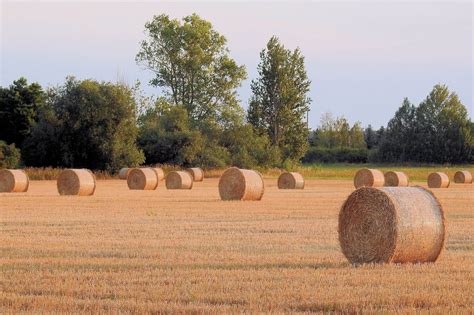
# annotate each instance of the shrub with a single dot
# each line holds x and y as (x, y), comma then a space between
(86, 124)
(336, 155)
(9, 155)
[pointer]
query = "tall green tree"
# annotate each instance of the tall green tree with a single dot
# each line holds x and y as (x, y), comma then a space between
(400, 140)
(191, 64)
(437, 131)
(86, 124)
(19, 106)
(443, 128)
(280, 99)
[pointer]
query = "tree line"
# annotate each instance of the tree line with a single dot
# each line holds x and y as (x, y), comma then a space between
(198, 120)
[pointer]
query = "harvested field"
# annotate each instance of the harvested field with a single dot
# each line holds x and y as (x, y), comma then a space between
(188, 251)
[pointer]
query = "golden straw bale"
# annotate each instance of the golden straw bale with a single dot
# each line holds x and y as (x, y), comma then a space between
(196, 173)
(395, 179)
(142, 179)
(179, 180)
(369, 178)
(241, 184)
(291, 180)
(438, 180)
(77, 182)
(13, 181)
(159, 173)
(123, 174)
(391, 224)
(463, 177)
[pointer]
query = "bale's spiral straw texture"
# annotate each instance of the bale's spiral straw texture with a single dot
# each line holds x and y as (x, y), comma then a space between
(196, 173)
(159, 173)
(438, 180)
(392, 224)
(396, 179)
(13, 181)
(179, 180)
(369, 178)
(142, 179)
(123, 174)
(463, 177)
(77, 182)
(241, 184)
(291, 180)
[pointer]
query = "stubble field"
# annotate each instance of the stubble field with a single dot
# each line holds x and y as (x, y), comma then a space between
(187, 251)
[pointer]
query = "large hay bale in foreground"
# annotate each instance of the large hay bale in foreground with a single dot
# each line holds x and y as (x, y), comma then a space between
(438, 180)
(396, 179)
(77, 182)
(13, 181)
(241, 184)
(196, 173)
(391, 224)
(160, 174)
(369, 178)
(291, 180)
(463, 177)
(123, 174)
(179, 180)
(142, 179)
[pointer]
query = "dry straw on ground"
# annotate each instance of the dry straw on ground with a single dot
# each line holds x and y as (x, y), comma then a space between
(179, 180)
(142, 179)
(123, 174)
(369, 178)
(160, 174)
(463, 177)
(438, 180)
(196, 173)
(392, 224)
(291, 180)
(13, 181)
(394, 179)
(77, 182)
(241, 184)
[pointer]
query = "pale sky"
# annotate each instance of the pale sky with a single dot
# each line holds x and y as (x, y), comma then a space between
(363, 57)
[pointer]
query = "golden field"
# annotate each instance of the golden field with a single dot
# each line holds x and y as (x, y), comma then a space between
(189, 252)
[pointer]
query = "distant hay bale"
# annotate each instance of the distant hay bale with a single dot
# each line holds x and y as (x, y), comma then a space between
(179, 180)
(241, 184)
(196, 173)
(142, 179)
(395, 179)
(291, 180)
(438, 180)
(159, 173)
(77, 182)
(369, 178)
(391, 224)
(13, 181)
(463, 177)
(123, 174)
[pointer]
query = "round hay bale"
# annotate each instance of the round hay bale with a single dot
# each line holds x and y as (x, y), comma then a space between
(13, 181)
(179, 180)
(77, 182)
(463, 177)
(241, 184)
(391, 224)
(369, 178)
(438, 180)
(291, 180)
(196, 173)
(123, 174)
(142, 179)
(395, 179)
(159, 173)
